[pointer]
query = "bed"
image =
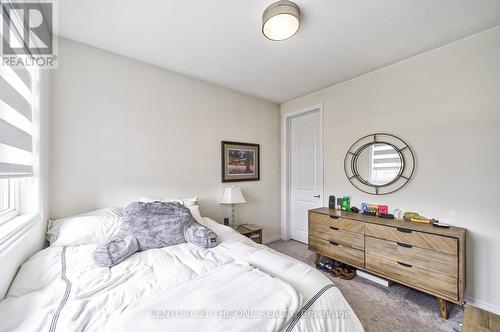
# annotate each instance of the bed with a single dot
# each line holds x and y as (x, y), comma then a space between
(237, 286)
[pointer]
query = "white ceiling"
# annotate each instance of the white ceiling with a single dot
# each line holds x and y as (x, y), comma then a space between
(220, 41)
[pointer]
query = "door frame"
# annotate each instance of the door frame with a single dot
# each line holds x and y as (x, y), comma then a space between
(286, 164)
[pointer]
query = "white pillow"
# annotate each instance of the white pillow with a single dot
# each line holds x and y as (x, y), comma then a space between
(149, 199)
(189, 201)
(88, 228)
(195, 211)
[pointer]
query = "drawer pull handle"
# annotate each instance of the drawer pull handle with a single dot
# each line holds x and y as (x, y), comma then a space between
(334, 228)
(404, 230)
(333, 243)
(334, 217)
(404, 245)
(404, 264)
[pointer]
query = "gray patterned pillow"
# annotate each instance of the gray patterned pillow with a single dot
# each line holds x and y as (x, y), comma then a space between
(153, 225)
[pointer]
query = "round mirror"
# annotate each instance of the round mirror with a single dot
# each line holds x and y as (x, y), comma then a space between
(378, 164)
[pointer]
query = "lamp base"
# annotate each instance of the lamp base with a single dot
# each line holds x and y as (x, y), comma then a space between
(234, 224)
(232, 217)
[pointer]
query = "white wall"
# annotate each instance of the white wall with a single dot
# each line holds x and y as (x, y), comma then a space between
(121, 129)
(446, 105)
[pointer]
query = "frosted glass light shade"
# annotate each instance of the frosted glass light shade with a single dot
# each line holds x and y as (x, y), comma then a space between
(281, 20)
(232, 195)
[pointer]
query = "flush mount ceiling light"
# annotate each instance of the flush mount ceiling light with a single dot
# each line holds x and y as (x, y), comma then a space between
(281, 20)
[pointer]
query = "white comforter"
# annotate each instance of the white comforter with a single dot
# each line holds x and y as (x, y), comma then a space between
(236, 286)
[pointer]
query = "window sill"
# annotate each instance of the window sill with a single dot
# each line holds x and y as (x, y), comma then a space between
(8, 216)
(16, 227)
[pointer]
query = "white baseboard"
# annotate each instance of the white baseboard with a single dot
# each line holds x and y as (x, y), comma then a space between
(374, 278)
(271, 238)
(483, 305)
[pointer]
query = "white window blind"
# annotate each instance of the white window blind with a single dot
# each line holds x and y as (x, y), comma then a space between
(386, 163)
(16, 142)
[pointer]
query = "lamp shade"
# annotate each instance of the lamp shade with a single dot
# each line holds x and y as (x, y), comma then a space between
(232, 195)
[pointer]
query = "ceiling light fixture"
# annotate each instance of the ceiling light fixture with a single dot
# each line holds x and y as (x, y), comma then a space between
(281, 20)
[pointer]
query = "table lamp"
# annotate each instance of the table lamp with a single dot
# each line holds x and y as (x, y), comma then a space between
(232, 195)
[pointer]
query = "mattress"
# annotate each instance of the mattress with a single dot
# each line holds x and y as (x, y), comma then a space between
(238, 285)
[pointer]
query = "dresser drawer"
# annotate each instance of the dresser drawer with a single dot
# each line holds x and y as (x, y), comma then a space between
(434, 242)
(337, 222)
(434, 283)
(339, 252)
(331, 233)
(434, 261)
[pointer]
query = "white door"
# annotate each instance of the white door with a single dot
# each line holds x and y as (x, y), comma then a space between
(306, 173)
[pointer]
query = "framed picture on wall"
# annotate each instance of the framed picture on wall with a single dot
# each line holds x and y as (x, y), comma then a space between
(240, 161)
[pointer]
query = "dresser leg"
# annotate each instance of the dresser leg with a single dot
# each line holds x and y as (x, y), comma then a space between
(318, 256)
(443, 308)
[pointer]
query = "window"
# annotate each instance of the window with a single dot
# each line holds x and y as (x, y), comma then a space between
(4, 196)
(21, 100)
(9, 195)
(19, 93)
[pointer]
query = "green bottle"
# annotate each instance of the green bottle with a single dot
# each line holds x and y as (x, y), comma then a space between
(346, 203)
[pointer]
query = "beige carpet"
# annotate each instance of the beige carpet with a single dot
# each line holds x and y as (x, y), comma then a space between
(396, 308)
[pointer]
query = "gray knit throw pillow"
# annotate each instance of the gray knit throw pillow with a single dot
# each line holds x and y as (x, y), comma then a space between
(153, 225)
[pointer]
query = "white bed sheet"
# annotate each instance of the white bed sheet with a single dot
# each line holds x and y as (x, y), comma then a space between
(62, 289)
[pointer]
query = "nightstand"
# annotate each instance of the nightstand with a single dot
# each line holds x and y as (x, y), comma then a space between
(251, 231)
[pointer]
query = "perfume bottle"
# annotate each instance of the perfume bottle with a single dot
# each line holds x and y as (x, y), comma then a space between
(339, 203)
(398, 213)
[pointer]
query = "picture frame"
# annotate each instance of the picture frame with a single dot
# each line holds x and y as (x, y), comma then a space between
(240, 161)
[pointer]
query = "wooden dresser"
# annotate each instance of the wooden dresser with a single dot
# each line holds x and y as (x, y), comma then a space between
(421, 256)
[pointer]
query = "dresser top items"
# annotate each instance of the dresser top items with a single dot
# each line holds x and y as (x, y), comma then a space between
(452, 231)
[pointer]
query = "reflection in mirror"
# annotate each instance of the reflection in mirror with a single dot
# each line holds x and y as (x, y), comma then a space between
(378, 164)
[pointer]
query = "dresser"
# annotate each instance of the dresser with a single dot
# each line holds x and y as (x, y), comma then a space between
(424, 257)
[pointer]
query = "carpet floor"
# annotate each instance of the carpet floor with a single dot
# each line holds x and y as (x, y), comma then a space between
(379, 308)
